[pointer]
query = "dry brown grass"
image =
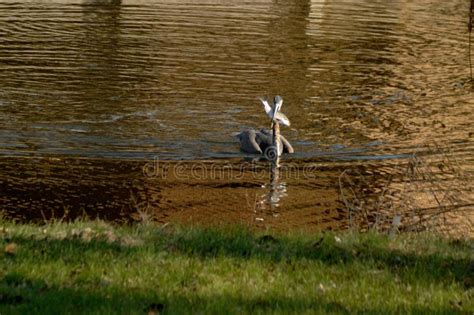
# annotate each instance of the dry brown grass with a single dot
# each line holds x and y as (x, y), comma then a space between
(430, 192)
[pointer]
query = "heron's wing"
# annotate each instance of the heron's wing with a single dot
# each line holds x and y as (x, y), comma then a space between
(268, 108)
(248, 143)
(266, 132)
(287, 148)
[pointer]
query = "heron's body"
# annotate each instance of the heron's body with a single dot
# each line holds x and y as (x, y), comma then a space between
(257, 141)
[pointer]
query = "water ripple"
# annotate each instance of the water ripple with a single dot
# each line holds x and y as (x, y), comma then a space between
(121, 73)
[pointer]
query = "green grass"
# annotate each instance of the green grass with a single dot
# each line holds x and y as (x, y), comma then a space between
(97, 268)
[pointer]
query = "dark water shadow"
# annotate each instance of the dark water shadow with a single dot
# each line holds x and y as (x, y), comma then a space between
(309, 195)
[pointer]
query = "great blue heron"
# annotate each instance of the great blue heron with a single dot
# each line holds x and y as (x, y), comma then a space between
(274, 112)
(258, 141)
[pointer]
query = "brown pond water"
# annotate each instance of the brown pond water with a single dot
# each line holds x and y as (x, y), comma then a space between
(123, 109)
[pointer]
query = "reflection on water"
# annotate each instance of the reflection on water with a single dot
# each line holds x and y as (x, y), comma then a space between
(365, 83)
(138, 79)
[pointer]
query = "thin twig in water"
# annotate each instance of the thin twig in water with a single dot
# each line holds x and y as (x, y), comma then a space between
(469, 28)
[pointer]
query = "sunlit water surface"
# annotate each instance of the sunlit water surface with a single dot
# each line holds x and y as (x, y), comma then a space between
(365, 84)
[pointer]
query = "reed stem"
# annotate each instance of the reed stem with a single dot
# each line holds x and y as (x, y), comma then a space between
(469, 28)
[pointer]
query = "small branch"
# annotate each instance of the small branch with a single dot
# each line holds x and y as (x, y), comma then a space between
(469, 28)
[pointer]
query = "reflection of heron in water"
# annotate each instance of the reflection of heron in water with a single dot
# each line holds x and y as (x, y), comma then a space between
(257, 142)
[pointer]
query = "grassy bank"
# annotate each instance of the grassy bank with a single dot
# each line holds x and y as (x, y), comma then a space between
(97, 268)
